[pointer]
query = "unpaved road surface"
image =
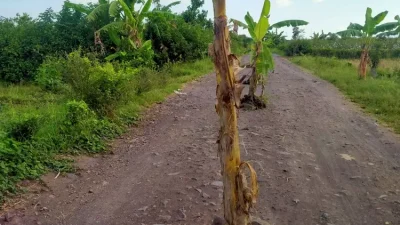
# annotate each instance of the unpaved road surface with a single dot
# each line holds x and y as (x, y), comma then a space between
(319, 161)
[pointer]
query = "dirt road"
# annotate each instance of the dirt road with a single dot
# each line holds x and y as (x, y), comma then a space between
(319, 161)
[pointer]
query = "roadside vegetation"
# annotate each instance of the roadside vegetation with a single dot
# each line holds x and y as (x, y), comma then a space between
(70, 81)
(378, 96)
(371, 50)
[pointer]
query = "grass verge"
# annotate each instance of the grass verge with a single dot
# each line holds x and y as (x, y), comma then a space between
(378, 96)
(40, 129)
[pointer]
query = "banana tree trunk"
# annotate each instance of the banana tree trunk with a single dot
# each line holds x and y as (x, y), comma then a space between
(362, 68)
(236, 199)
(253, 83)
(254, 75)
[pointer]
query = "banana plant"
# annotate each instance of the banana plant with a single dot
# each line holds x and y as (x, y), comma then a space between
(126, 29)
(100, 11)
(261, 61)
(394, 28)
(366, 33)
(102, 7)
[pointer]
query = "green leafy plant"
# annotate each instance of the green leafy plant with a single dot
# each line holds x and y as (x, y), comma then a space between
(84, 130)
(262, 60)
(298, 47)
(126, 31)
(49, 74)
(393, 27)
(366, 32)
(176, 40)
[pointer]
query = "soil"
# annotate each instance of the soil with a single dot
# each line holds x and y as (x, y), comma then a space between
(319, 159)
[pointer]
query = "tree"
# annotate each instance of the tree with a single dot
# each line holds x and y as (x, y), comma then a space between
(126, 28)
(175, 40)
(193, 14)
(297, 33)
(366, 33)
(97, 15)
(238, 196)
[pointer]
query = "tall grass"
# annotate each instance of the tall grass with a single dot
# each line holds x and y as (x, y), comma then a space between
(378, 96)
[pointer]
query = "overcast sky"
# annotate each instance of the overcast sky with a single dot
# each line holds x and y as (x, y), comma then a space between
(327, 15)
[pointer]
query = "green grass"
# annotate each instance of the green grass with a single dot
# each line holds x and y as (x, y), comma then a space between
(378, 96)
(42, 116)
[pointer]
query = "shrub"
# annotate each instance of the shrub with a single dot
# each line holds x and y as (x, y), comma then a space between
(49, 75)
(17, 162)
(298, 47)
(176, 40)
(338, 53)
(100, 86)
(84, 131)
(107, 89)
(143, 81)
(24, 129)
(76, 72)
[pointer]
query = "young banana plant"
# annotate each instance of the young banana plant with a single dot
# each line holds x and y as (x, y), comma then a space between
(261, 57)
(366, 32)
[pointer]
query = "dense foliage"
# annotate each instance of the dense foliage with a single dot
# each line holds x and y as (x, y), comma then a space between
(69, 83)
(340, 48)
(26, 42)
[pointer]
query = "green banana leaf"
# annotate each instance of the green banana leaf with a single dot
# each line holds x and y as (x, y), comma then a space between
(97, 12)
(289, 23)
(144, 10)
(251, 25)
(127, 11)
(350, 33)
(115, 55)
(265, 61)
(263, 23)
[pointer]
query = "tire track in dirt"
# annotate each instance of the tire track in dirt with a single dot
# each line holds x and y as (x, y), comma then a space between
(166, 171)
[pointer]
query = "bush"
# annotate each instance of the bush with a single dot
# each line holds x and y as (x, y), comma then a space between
(17, 162)
(24, 129)
(298, 47)
(84, 131)
(49, 75)
(338, 53)
(107, 89)
(176, 40)
(100, 86)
